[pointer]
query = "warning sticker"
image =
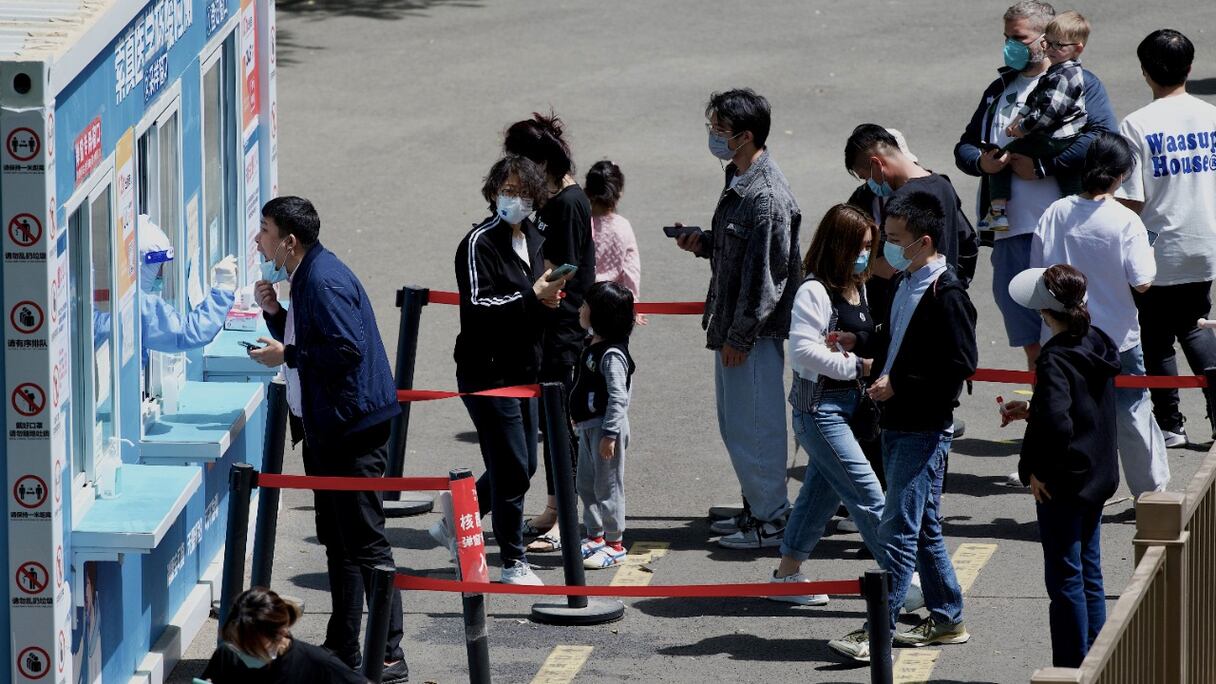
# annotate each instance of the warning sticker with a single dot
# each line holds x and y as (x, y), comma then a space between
(28, 399)
(23, 144)
(32, 578)
(33, 663)
(29, 491)
(25, 230)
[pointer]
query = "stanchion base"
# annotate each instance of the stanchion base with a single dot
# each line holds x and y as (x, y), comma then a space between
(410, 504)
(724, 511)
(597, 612)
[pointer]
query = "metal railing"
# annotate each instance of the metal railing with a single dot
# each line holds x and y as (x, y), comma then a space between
(1163, 628)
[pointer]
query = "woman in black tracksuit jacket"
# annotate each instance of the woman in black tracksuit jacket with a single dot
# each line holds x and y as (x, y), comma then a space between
(503, 300)
(1069, 456)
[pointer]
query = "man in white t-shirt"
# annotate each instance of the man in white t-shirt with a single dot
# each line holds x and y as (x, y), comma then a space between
(1174, 190)
(1034, 185)
(1106, 241)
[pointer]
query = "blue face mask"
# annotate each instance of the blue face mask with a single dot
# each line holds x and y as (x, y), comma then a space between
(513, 210)
(271, 273)
(250, 661)
(1017, 54)
(882, 189)
(863, 260)
(158, 285)
(894, 254)
(718, 146)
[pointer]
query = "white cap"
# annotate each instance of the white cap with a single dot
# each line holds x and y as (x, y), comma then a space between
(903, 144)
(1029, 289)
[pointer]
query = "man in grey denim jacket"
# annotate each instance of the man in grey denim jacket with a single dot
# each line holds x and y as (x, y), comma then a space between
(755, 263)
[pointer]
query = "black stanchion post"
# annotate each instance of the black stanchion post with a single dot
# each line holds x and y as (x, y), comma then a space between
(579, 610)
(240, 485)
(268, 500)
(410, 299)
(378, 613)
(875, 585)
(476, 638)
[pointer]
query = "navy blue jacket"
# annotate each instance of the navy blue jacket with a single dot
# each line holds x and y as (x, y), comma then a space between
(967, 152)
(346, 383)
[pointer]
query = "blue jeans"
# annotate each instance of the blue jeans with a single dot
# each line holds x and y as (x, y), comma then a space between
(911, 526)
(751, 418)
(837, 472)
(1141, 445)
(1070, 532)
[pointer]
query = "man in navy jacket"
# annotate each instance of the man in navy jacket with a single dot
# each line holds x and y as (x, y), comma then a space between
(1034, 186)
(341, 395)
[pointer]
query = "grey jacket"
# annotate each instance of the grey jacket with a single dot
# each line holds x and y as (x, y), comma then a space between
(754, 258)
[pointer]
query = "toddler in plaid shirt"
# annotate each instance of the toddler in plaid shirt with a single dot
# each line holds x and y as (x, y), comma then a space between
(1053, 116)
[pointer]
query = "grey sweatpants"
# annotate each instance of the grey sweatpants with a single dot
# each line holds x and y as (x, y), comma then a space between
(601, 482)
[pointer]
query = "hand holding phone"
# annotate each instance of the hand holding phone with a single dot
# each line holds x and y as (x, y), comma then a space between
(249, 346)
(677, 231)
(562, 271)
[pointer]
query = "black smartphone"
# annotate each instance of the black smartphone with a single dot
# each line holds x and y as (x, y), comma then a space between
(248, 345)
(988, 147)
(677, 231)
(561, 272)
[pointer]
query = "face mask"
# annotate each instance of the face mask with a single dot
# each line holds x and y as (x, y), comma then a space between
(252, 662)
(513, 210)
(158, 285)
(863, 260)
(718, 146)
(882, 189)
(894, 254)
(271, 273)
(1018, 54)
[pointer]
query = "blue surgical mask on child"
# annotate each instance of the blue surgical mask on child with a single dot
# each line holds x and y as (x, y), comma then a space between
(271, 273)
(862, 261)
(894, 254)
(513, 210)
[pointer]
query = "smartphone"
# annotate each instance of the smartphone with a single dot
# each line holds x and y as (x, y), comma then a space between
(248, 345)
(561, 272)
(1000, 405)
(677, 231)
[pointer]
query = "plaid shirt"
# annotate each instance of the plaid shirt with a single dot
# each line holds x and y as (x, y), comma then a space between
(1056, 106)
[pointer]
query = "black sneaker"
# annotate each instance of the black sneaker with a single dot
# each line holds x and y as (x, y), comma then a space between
(397, 673)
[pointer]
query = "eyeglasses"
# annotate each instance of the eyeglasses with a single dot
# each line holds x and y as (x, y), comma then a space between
(710, 128)
(1053, 45)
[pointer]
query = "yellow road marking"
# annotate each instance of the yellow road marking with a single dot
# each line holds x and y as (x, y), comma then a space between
(1024, 393)
(968, 560)
(914, 665)
(562, 665)
(634, 573)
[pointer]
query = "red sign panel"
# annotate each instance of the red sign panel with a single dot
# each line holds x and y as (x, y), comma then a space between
(88, 150)
(470, 542)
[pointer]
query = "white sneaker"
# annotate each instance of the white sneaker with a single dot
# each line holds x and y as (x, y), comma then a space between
(520, 573)
(442, 531)
(1014, 480)
(759, 535)
(915, 598)
(846, 526)
(803, 600)
(728, 525)
(1174, 439)
(855, 645)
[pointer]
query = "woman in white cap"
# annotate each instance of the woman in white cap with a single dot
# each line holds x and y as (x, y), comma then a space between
(1069, 457)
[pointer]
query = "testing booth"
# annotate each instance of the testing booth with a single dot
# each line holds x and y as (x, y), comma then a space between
(113, 113)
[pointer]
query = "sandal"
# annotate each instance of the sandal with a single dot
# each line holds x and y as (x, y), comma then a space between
(546, 543)
(530, 528)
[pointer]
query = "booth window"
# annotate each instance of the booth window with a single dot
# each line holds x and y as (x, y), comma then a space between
(92, 311)
(158, 181)
(219, 155)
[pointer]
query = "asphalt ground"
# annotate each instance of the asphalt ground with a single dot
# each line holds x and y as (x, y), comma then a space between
(392, 111)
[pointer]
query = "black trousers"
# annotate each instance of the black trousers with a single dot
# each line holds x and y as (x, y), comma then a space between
(350, 525)
(506, 431)
(1169, 313)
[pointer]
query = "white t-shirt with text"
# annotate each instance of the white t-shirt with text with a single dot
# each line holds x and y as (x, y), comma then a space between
(1107, 242)
(1174, 141)
(1028, 199)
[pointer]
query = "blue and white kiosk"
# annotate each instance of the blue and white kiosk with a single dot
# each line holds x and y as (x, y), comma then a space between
(117, 460)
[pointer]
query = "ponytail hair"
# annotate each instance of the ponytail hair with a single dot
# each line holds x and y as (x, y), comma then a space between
(259, 616)
(1067, 285)
(540, 139)
(1108, 159)
(604, 185)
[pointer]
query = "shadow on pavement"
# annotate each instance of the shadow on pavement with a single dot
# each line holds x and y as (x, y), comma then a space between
(745, 608)
(969, 446)
(749, 647)
(1201, 86)
(979, 485)
(999, 528)
(368, 9)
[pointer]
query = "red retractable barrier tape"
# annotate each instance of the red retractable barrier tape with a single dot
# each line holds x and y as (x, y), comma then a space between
(834, 587)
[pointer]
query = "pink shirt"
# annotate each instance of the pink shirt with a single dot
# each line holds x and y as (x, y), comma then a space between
(616, 252)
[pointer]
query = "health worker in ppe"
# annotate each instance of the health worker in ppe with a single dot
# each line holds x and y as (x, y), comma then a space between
(163, 328)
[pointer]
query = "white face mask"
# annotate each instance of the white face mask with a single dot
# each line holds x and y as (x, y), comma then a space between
(513, 210)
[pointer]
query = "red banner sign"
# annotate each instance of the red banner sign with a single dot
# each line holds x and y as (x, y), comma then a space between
(470, 542)
(88, 150)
